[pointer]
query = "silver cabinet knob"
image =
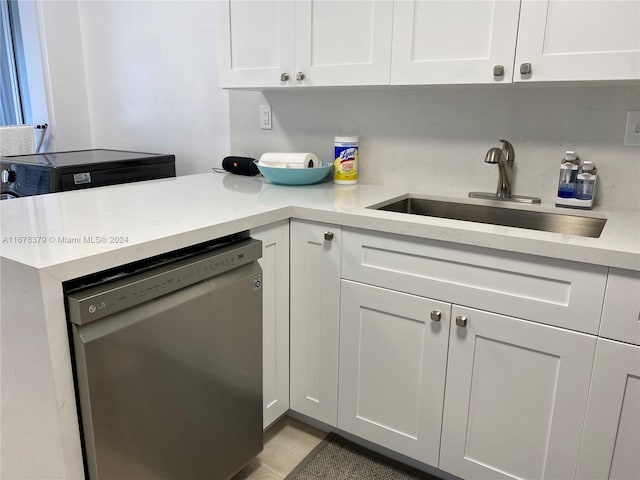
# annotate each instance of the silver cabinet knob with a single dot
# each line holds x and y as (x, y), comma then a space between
(299, 76)
(461, 321)
(284, 77)
(436, 315)
(525, 68)
(328, 236)
(498, 70)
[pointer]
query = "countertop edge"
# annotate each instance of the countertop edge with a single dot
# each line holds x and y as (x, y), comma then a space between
(527, 246)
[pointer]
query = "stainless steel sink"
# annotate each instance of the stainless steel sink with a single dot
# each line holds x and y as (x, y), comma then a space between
(509, 217)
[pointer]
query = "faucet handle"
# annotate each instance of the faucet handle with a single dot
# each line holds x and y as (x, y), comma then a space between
(509, 151)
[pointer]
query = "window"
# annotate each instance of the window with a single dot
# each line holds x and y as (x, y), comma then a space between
(14, 94)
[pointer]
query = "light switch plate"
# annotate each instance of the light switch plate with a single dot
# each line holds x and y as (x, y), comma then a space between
(632, 132)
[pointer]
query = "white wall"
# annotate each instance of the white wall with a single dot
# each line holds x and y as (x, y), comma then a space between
(152, 81)
(135, 75)
(33, 62)
(64, 77)
(433, 139)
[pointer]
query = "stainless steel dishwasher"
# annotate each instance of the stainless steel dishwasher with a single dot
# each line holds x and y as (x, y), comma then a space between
(168, 364)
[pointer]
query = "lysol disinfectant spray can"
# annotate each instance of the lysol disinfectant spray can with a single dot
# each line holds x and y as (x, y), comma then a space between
(345, 165)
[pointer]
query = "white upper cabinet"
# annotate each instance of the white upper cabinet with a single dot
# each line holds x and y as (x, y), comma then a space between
(255, 43)
(264, 44)
(449, 42)
(579, 40)
(343, 42)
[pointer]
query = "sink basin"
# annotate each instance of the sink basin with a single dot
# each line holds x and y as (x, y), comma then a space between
(508, 217)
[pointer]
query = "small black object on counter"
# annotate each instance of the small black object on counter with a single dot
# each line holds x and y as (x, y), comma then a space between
(240, 166)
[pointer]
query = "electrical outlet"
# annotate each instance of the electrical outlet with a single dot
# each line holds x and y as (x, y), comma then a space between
(265, 117)
(632, 132)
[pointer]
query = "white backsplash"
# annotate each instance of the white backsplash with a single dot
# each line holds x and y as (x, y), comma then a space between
(433, 139)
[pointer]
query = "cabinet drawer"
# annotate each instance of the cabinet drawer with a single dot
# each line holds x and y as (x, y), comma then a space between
(550, 291)
(621, 311)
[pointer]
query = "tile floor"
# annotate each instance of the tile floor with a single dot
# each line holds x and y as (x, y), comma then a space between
(286, 443)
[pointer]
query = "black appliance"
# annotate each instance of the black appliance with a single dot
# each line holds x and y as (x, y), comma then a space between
(25, 175)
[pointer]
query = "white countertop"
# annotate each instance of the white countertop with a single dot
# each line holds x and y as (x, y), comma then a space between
(74, 233)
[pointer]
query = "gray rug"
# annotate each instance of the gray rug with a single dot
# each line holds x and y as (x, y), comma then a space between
(337, 459)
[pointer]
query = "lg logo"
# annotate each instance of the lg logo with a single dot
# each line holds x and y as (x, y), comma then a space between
(94, 308)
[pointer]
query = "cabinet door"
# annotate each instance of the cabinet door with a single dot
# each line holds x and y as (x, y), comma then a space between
(445, 42)
(611, 438)
(315, 310)
(515, 399)
(343, 42)
(275, 320)
(255, 43)
(579, 40)
(393, 359)
(621, 311)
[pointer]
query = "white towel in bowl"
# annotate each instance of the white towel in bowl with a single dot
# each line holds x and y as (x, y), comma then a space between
(289, 160)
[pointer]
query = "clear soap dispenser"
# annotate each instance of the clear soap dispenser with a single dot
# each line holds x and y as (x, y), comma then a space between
(568, 175)
(586, 181)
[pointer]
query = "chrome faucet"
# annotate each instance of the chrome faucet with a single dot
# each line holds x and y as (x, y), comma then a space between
(504, 157)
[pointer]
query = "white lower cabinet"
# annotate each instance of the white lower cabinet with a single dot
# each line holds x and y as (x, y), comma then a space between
(315, 311)
(516, 395)
(611, 438)
(275, 319)
(393, 354)
(621, 310)
(479, 395)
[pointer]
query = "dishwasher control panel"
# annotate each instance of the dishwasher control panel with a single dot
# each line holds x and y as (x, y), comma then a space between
(103, 300)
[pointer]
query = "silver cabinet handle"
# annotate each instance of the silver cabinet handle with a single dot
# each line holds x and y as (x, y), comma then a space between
(284, 77)
(525, 68)
(461, 321)
(498, 70)
(299, 76)
(436, 315)
(328, 236)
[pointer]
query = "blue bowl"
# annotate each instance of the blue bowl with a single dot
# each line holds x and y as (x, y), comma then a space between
(296, 176)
